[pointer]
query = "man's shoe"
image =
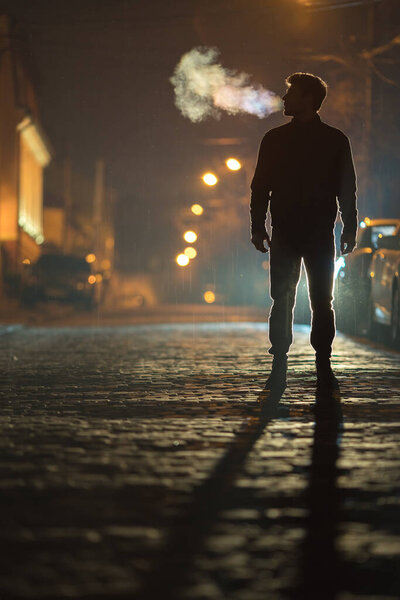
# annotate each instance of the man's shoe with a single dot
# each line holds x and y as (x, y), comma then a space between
(276, 381)
(326, 379)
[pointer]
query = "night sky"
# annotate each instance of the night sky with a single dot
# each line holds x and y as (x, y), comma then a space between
(104, 91)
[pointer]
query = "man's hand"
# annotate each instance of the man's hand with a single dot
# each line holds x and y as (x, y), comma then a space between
(257, 239)
(347, 243)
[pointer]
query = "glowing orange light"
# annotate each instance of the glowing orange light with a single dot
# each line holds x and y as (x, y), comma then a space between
(209, 296)
(210, 178)
(90, 258)
(182, 260)
(190, 237)
(99, 277)
(190, 252)
(197, 209)
(26, 261)
(137, 300)
(233, 164)
(92, 279)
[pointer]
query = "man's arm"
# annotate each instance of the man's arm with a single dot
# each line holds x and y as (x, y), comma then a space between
(259, 201)
(347, 198)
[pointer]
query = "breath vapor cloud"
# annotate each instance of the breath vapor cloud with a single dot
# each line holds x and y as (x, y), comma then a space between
(204, 88)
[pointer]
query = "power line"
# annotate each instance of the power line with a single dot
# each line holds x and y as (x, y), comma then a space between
(310, 4)
(325, 6)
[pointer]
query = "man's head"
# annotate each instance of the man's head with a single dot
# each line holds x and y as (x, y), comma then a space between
(304, 95)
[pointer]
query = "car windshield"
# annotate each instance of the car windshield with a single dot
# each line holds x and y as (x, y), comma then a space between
(378, 231)
(58, 263)
(369, 236)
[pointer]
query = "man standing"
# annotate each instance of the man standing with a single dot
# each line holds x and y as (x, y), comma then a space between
(303, 169)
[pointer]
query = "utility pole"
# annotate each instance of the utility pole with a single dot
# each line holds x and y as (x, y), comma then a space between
(370, 22)
(67, 205)
(98, 200)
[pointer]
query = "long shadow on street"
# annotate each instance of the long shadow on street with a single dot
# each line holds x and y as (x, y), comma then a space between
(174, 563)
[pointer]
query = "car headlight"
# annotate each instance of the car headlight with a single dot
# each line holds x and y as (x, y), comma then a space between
(340, 263)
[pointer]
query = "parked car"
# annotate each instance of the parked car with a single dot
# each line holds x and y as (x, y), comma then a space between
(352, 276)
(385, 287)
(63, 277)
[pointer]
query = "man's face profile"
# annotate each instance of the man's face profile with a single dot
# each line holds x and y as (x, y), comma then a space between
(294, 101)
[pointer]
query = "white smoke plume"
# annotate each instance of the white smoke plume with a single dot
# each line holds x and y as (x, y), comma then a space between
(203, 88)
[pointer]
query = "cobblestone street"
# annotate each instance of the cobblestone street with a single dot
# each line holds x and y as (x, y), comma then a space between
(137, 462)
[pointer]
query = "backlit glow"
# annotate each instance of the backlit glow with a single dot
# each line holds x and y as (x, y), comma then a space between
(92, 279)
(90, 258)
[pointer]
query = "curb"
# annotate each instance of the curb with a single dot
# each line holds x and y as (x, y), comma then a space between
(7, 329)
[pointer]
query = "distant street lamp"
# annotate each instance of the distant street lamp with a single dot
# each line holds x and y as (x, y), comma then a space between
(210, 179)
(182, 260)
(190, 252)
(209, 296)
(190, 237)
(197, 209)
(233, 164)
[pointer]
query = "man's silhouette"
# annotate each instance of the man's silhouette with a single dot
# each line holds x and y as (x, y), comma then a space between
(303, 169)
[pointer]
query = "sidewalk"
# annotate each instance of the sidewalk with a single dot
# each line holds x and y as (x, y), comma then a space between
(53, 313)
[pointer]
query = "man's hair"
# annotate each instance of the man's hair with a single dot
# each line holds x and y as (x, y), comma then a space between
(310, 84)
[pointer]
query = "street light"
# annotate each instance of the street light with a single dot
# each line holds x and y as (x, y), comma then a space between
(233, 164)
(209, 296)
(210, 179)
(190, 237)
(182, 260)
(197, 209)
(190, 252)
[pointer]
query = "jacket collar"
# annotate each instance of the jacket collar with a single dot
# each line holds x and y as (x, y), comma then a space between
(316, 120)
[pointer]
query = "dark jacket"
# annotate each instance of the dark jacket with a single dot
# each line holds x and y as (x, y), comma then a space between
(302, 170)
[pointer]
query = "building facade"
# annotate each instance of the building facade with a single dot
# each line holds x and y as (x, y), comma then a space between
(24, 153)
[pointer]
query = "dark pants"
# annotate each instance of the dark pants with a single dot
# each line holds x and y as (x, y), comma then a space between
(318, 254)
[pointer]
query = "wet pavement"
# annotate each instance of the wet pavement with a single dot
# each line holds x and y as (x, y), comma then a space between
(142, 462)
